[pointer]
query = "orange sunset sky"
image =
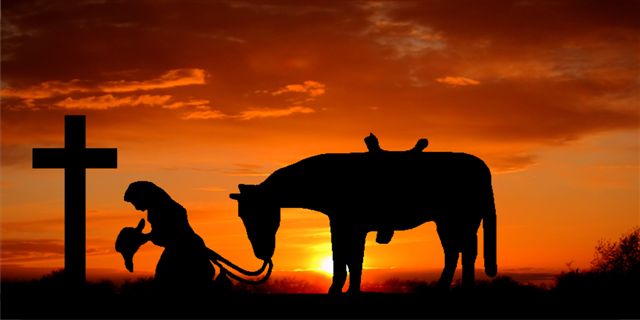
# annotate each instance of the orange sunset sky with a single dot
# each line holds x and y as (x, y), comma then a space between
(199, 96)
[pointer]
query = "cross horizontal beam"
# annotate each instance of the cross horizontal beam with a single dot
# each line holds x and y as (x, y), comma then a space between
(91, 158)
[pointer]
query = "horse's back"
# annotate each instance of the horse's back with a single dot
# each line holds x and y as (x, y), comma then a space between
(385, 180)
(364, 168)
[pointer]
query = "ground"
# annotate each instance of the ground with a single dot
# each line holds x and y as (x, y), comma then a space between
(500, 298)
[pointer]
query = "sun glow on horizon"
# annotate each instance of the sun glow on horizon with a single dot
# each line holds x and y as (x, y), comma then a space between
(326, 266)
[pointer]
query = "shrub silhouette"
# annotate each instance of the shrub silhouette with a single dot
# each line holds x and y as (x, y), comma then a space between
(622, 256)
(611, 285)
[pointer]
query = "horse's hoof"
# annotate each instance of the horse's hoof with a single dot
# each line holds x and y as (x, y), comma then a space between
(334, 292)
(353, 295)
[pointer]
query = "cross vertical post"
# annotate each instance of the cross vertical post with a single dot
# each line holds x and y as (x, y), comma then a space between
(75, 158)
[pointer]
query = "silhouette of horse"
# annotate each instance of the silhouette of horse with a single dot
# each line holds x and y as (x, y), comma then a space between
(390, 190)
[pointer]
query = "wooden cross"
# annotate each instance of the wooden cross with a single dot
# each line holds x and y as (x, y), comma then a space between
(74, 159)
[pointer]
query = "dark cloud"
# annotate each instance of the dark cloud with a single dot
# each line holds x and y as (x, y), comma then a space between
(535, 71)
(536, 23)
(86, 38)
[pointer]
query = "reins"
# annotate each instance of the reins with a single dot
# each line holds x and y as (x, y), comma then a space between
(217, 259)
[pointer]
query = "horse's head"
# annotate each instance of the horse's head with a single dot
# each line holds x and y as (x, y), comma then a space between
(128, 242)
(261, 219)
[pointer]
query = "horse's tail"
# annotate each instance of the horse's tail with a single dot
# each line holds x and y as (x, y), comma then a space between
(245, 276)
(489, 226)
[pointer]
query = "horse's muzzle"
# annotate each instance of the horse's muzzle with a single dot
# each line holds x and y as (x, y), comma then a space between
(264, 254)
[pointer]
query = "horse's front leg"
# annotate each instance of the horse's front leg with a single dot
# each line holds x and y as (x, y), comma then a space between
(347, 243)
(338, 246)
(355, 260)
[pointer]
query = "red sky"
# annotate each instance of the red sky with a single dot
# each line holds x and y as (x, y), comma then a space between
(199, 96)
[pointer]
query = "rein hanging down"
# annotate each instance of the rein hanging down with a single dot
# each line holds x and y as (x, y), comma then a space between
(216, 259)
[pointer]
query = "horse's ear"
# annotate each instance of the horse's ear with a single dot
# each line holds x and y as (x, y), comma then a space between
(140, 225)
(234, 196)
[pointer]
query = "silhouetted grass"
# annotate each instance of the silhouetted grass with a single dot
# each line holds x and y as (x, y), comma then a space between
(280, 285)
(610, 289)
(575, 295)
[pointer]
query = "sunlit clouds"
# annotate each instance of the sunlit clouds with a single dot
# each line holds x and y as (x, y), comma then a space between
(268, 113)
(75, 91)
(313, 88)
(248, 114)
(309, 89)
(198, 103)
(204, 115)
(109, 101)
(171, 79)
(458, 81)
(47, 89)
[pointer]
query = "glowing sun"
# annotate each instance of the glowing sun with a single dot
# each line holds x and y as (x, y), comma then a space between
(326, 265)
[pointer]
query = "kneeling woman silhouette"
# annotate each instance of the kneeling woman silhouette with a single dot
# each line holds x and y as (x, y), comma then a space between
(184, 265)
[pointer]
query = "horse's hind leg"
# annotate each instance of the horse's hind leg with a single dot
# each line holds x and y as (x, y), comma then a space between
(469, 254)
(450, 258)
(450, 264)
